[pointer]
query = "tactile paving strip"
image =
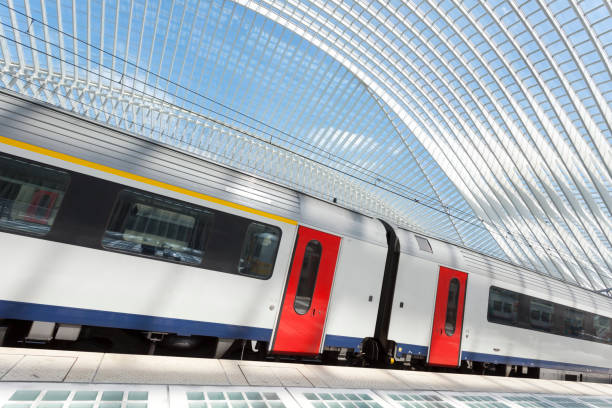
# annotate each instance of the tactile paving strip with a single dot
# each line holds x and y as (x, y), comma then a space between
(57, 395)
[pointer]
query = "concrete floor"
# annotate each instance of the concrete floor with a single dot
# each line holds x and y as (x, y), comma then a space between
(36, 365)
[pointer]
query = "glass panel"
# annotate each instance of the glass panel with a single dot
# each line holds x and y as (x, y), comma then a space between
(259, 250)
(25, 395)
(573, 323)
(540, 314)
(138, 395)
(424, 244)
(157, 227)
(85, 396)
(603, 329)
(56, 395)
(451, 307)
(30, 196)
(112, 396)
(503, 306)
(308, 277)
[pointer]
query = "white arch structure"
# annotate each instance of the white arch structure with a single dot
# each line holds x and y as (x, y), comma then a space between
(511, 99)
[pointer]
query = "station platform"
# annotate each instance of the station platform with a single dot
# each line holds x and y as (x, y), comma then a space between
(36, 378)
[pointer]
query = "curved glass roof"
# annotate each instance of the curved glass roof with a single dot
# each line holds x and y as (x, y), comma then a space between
(486, 124)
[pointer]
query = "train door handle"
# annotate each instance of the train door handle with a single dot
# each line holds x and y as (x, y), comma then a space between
(313, 311)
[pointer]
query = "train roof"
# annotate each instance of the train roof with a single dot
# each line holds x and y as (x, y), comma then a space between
(46, 126)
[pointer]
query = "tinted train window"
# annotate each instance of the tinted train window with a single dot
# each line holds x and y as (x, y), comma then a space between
(503, 306)
(602, 329)
(451, 307)
(259, 250)
(30, 196)
(308, 277)
(573, 323)
(541, 315)
(157, 227)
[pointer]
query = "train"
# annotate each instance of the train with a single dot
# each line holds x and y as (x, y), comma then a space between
(104, 232)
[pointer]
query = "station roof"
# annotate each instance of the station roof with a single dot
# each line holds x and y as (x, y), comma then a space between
(486, 124)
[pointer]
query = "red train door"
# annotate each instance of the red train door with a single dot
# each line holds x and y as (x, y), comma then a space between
(302, 317)
(448, 318)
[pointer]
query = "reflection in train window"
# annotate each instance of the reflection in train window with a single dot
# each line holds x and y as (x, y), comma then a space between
(308, 277)
(503, 306)
(603, 329)
(451, 307)
(541, 315)
(157, 227)
(573, 323)
(30, 196)
(259, 250)
(540, 312)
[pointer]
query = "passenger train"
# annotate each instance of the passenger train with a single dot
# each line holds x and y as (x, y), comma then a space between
(102, 231)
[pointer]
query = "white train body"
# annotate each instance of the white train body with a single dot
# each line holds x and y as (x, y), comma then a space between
(483, 340)
(54, 280)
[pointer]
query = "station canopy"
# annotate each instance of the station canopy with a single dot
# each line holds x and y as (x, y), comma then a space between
(485, 124)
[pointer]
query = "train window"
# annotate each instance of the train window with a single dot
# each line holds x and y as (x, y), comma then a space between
(503, 306)
(540, 313)
(602, 329)
(573, 323)
(547, 316)
(451, 307)
(259, 250)
(158, 228)
(424, 244)
(30, 196)
(308, 277)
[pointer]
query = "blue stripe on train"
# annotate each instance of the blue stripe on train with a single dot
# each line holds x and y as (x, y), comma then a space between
(60, 314)
(497, 359)
(410, 349)
(331, 340)
(555, 365)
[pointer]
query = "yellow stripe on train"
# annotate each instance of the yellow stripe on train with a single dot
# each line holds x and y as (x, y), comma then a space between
(135, 177)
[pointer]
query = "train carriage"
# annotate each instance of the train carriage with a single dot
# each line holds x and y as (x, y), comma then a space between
(103, 229)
